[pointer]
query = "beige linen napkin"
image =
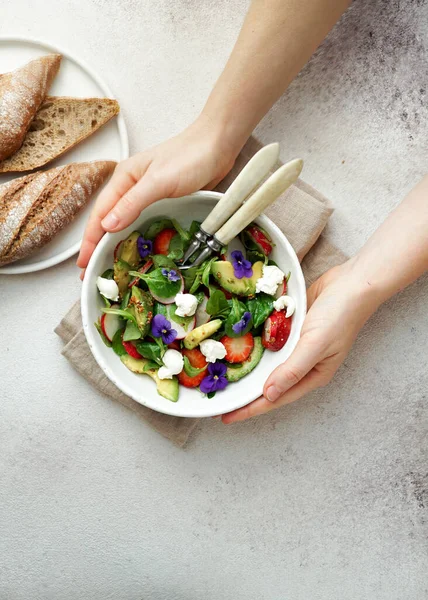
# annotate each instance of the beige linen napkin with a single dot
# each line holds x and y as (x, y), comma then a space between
(301, 213)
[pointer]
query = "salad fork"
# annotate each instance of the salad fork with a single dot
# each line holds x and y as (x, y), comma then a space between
(223, 223)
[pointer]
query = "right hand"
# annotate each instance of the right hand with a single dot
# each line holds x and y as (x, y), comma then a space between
(197, 158)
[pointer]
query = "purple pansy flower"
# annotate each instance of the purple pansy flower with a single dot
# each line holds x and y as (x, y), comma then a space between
(145, 247)
(241, 266)
(242, 324)
(216, 379)
(161, 328)
(170, 274)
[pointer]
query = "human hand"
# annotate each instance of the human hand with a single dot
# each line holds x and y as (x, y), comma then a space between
(339, 304)
(199, 157)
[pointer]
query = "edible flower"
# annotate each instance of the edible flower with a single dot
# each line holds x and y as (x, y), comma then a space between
(161, 328)
(216, 380)
(241, 266)
(170, 274)
(242, 324)
(145, 247)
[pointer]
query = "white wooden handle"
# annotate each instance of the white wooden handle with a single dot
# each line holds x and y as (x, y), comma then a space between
(250, 176)
(260, 200)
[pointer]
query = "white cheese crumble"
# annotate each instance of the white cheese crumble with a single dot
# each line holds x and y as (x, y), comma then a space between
(108, 288)
(285, 302)
(269, 282)
(186, 305)
(212, 350)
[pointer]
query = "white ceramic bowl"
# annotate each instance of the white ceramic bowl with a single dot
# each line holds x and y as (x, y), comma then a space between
(191, 402)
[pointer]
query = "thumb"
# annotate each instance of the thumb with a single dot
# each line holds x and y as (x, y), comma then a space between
(305, 356)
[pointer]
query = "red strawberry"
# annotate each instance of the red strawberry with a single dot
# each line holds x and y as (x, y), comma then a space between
(238, 349)
(175, 345)
(276, 331)
(197, 360)
(162, 241)
(261, 238)
(131, 349)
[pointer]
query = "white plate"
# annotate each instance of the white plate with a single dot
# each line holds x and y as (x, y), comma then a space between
(191, 402)
(110, 142)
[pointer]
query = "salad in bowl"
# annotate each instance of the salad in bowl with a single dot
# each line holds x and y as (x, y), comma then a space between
(206, 327)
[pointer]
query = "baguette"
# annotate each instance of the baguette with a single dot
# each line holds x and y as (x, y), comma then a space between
(60, 124)
(21, 93)
(34, 208)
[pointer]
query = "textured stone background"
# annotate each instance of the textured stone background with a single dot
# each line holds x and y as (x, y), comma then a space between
(326, 499)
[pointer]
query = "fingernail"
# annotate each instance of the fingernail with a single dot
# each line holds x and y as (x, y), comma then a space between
(110, 221)
(272, 393)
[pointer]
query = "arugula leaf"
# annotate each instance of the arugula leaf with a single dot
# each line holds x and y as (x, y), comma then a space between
(217, 304)
(106, 301)
(189, 370)
(272, 263)
(116, 343)
(189, 277)
(184, 235)
(125, 300)
(156, 227)
(108, 274)
(151, 351)
(211, 394)
(125, 314)
(176, 248)
(196, 282)
(260, 307)
(160, 260)
(103, 337)
(149, 366)
(132, 332)
(235, 315)
(254, 256)
(194, 227)
(207, 271)
(200, 297)
(158, 283)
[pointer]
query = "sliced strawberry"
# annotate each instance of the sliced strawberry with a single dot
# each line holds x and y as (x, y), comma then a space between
(174, 345)
(142, 269)
(238, 349)
(118, 250)
(162, 241)
(261, 238)
(197, 360)
(131, 349)
(276, 331)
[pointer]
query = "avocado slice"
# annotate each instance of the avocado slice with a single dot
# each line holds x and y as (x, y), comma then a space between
(223, 273)
(195, 337)
(141, 303)
(250, 364)
(168, 388)
(129, 250)
(121, 276)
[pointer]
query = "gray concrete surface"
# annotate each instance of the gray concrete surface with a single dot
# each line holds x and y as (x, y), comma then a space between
(324, 500)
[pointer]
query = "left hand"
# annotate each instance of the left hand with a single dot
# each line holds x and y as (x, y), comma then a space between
(338, 306)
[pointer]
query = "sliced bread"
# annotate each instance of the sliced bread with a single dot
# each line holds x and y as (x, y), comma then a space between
(59, 124)
(21, 93)
(34, 208)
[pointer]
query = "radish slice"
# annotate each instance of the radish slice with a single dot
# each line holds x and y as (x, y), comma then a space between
(201, 314)
(118, 250)
(171, 299)
(142, 269)
(110, 323)
(282, 290)
(183, 328)
(232, 246)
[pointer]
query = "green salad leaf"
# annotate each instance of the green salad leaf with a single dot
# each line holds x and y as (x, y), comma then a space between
(260, 307)
(149, 366)
(132, 332)
(156, 227)
(125, 314)
(237, 310)
(217, 305)
(108, 274)
(125, 300)
(158, 283)
(189, 370)
(160, 260)
(176, 248)
(150, 350)
(184, 235)
(194, 227)
(116, 343)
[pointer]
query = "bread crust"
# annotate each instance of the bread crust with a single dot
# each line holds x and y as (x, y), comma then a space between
(21, 93)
